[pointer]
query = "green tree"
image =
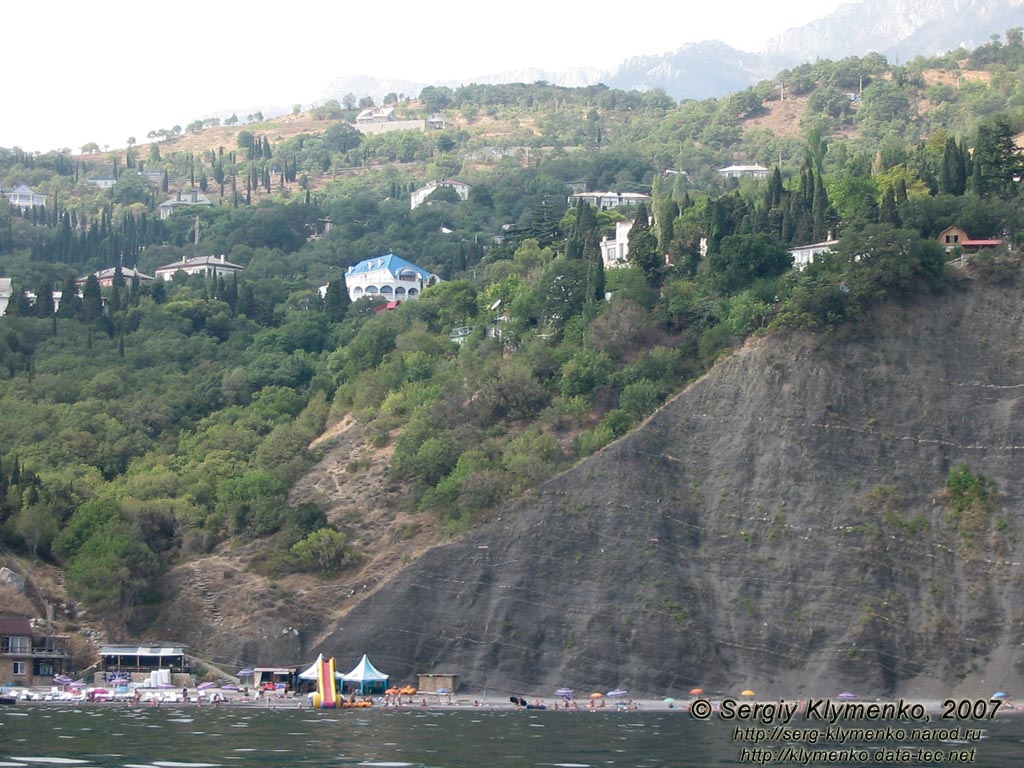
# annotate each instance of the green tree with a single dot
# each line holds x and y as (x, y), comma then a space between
(111, 575)
(995, 159)
(337, 300)
(743, 259)
(643, 247)
(325, 550)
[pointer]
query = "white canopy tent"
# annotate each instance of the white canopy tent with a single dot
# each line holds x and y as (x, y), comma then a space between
(310, 673)
(367, 677)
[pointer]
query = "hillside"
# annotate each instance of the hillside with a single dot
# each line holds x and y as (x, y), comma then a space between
(261, 465)
(782, 524)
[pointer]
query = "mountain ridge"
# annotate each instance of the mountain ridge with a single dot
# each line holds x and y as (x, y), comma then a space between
(712, 69)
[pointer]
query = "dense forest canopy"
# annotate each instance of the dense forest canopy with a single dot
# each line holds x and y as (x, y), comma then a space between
(147, 422)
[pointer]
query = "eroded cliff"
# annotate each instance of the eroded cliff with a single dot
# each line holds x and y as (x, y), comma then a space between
(782, 524)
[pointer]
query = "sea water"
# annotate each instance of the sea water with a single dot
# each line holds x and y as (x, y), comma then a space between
(118, 736)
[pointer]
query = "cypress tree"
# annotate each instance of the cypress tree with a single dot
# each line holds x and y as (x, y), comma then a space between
(336, 300)
(643, 247)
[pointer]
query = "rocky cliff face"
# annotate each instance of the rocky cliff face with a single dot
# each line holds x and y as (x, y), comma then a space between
(782, 524)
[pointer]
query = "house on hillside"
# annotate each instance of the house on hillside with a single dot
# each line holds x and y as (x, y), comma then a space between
(209, 266)
(436, 122)
(106, 276)
(608, 200)
(168, 207)
(389, 277)
(418, 196)
(952, 238)
(615, 251)
(23, 197)
(375, 115)
(805, 254)
(744, 172)
(29, 653)
(6, 291)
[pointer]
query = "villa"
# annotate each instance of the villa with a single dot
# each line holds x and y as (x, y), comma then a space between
(388, 277)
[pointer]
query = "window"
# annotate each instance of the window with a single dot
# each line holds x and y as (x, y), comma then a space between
(18, 668)
(16, 644)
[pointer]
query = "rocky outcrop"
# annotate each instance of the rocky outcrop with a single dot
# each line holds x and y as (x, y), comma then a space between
(782, 524)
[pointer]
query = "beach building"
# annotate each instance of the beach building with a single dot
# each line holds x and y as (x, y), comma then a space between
(141, 660)
(438, 682)
(389, 277)
(29, 653)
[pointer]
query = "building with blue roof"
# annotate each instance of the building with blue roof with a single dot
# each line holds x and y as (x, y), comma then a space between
(389, 277)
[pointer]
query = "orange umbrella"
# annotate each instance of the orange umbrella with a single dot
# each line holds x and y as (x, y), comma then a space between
(696, 691)
(597, 695)
(748, 692)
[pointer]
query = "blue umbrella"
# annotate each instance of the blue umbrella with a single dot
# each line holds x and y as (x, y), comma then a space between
(999, 695)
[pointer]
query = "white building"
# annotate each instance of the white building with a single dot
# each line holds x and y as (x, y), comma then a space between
(461, 188)
(388, 277)
(106, 276)
(608, 200)
(168, 207)
(804, 254)
(615, 252)
(210, 266)
(23, 197)
(6, 291)
(744, 171)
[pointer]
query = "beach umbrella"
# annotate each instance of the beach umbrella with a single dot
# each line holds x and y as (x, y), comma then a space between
(670, 701)
(999, 695)
(205, 686)
(597, 695)
(444, 690)
(565, 693)
(62, 680)
(696, 691)
(246, 672)
(847, 695)
(748, 692)
(618, 692)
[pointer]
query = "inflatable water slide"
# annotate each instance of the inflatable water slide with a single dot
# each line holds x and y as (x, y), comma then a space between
(326, 696)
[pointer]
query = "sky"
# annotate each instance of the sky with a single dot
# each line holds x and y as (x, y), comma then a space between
(106, 70)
